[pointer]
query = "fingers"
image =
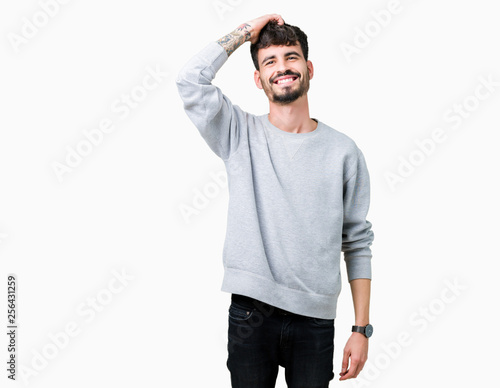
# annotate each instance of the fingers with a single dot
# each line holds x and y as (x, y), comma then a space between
(345, 363)
(352, 372)
(280, 20)
(277, 17)
(260, 22)
(355, 368)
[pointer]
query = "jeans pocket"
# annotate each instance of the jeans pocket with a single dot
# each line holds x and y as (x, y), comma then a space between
(322, 322)
(240, 313)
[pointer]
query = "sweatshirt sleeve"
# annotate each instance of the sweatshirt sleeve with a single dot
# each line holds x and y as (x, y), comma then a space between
(212, 113)
(357, 235)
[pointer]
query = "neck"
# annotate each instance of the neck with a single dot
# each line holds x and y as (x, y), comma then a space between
(293, 117)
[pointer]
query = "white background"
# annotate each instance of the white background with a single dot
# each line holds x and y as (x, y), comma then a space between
(120, 208)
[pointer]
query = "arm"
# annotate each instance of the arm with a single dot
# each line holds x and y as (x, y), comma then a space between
(357, 345)
(247, 31)
(235, 39)
(357, 237)
(360, 290)
(212, 113)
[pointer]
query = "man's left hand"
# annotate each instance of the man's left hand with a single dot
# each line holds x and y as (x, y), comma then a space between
(355, 349)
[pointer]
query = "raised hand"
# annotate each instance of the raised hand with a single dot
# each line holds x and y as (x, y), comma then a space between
(248, 31)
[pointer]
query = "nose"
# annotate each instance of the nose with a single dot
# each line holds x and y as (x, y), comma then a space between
(282, 66)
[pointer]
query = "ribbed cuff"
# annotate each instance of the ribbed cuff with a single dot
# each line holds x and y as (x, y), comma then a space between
(359, 267)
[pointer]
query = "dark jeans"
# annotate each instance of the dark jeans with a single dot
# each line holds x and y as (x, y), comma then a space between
(262, 337)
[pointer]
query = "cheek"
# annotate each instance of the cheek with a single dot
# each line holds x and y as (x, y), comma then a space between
(265, 81)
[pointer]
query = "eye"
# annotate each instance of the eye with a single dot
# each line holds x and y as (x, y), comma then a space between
(267, 63)
(292, 57)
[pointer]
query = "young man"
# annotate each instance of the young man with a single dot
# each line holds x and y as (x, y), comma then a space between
(299, 195)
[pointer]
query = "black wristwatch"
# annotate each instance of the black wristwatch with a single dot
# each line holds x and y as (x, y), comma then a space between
(366, 330)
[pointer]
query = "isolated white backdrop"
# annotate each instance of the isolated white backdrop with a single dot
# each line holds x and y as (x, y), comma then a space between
(119, 209)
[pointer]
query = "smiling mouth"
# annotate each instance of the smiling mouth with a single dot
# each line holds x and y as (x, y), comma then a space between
(286, 80)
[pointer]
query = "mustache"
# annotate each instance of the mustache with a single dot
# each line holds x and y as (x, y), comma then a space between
(288, 72)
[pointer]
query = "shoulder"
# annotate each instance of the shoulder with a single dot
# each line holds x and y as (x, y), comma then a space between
(340, 138)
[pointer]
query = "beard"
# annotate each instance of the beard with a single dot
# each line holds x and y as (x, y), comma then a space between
(287, 94)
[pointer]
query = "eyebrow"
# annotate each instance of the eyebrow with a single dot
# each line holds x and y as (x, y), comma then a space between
(274, 56)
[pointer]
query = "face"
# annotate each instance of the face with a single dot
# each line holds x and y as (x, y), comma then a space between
(284, 73)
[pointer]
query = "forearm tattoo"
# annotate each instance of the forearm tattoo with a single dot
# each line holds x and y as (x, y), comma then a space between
(235, 39)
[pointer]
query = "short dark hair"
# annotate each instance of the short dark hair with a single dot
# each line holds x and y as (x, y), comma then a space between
(284, 35)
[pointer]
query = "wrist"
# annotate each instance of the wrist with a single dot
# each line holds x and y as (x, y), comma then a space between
(245, 30)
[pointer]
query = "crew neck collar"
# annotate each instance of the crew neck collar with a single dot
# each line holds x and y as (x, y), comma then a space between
(265, 117)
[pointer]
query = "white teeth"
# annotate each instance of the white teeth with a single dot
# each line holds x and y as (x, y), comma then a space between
(281, 81)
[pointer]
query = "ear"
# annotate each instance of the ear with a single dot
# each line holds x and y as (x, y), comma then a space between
(310, 68)
(256, 78)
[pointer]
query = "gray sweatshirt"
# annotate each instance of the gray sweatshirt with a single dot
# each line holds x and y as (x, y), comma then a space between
(296, 200)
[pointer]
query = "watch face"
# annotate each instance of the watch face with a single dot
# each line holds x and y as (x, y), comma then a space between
(369, 330)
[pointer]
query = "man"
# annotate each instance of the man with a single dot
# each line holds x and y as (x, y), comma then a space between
(298, 196)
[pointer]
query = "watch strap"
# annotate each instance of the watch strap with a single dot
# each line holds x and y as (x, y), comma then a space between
(359, 329)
